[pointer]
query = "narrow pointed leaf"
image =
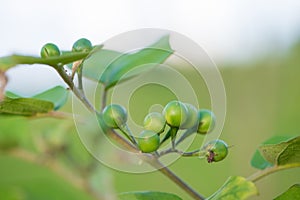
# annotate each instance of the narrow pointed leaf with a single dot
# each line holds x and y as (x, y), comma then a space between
(235, 188)
(292, 193)
(109, 67)
(25, 106)
(148, 195)
(13, 60)
(58, 95)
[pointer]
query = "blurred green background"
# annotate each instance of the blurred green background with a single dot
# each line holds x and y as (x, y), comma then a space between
(44, 158)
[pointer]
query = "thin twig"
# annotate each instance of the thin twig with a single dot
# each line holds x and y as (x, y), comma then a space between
(260, 174)
(167, 172)
(197, 152)
(70, 83)
(186, 134)
(149, 158)
(103, 100)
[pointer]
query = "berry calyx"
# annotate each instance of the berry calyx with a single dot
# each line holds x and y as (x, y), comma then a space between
(216, 150)
(49, 50)
(114, 115)
(148, 141)
(207, 121)
(82, 45)
(155, 122)
(175, 113)
(192, 117)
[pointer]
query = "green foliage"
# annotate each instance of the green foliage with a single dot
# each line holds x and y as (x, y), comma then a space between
(147, 195)
(292, 193)
(284, 153)
(109, 67)
(25, 106)
(57, 95)
(258, 161)
(13, 60)
(235, 188)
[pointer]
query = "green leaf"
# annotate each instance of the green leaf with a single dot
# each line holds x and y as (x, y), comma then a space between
(292, 193)
(25, 106)
(148, 195)
(67, 57)
(258, 161)
(235, 188)
(57, 95)
(291, 154)
(284, 153)
(13, 60)
(109, 67)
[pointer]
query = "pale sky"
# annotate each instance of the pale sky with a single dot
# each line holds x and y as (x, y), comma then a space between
(227, 30)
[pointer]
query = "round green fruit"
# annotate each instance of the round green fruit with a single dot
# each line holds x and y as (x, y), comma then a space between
(114, 115)
(192, 117)
(216, 150)
(175, 113)
(148, 141)
(155, 122)
(49, 50)
(207, 121)
(82, 45)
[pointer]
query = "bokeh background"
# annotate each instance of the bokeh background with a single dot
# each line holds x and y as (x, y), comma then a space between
(256, 46)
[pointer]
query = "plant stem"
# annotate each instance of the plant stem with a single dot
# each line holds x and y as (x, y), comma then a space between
(80, 83)
(186, 134)
(167, 172)
(260, 174)
(103, 100)
(70, 83)
(185, 154)
(149, 158)
(174, 131)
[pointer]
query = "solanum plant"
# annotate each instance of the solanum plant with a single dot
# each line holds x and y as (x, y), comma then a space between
(174, 124)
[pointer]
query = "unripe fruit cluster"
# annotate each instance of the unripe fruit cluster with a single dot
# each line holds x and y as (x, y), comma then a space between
(177, 115)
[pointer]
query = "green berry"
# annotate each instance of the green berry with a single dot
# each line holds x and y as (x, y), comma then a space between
(216, 150)
(49, 50)
(114, 115)
(207, 121)
(148, 141)
(155, 122)
(192, 117)
(175, 113)
(82, 45)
